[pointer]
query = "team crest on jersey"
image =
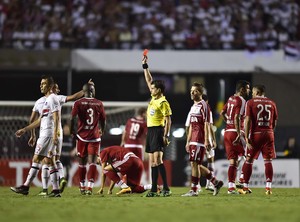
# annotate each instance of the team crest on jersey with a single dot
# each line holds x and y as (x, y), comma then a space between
(45, 112)
(194, 119)
(152, 112)
(196, 109)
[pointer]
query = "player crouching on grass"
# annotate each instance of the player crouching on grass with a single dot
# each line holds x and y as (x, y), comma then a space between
(117, 160)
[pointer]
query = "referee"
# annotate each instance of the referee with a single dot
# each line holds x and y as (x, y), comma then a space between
(159, 125)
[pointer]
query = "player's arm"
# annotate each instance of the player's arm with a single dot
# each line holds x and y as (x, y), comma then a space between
(57, 132)
(223, 113)
(147, 74)
(247, 132)
(73, 125)
(75, 96)
(103, 178)
(123, 137)
(102, 120)
(102, 124)
(31, 126)
(213, 136)
(74, 118)
(111, 187)
(78, 94)
(34, 116)
(168, 122)
(206, 135)
(275, 124)
(187, 123)
(237, 125)
(188, 138)
(275, 117)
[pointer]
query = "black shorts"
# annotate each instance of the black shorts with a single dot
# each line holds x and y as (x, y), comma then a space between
(154, 141)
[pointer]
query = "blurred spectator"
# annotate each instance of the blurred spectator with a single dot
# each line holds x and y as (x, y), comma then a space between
(136, 24)
(68, 151)
(291, 149)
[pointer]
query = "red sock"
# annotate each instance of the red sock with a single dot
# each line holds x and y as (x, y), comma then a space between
(82, 172)
(211, 178)
(92, 172)
(247, 169)
(232, 173)
(268, 170)
(195, 181)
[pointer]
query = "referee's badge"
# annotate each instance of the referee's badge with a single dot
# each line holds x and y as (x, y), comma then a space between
(152, 111)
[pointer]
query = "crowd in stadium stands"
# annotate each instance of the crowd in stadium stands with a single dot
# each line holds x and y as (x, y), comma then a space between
(155, 24)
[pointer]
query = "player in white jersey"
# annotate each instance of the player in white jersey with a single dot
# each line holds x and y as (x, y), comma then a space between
(48, 139)
(210, 154)
(36, 112)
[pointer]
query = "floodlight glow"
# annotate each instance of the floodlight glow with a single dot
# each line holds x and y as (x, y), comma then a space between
(178, 133)
(115, 131)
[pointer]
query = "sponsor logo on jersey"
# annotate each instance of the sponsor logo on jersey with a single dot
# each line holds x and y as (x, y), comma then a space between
(45, 112)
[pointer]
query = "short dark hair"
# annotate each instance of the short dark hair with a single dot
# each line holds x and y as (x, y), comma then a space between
(241, 84)
(205, 97)
(199, 86)
(159, 84)
(261, 88)
(141, 110)
(49, 79)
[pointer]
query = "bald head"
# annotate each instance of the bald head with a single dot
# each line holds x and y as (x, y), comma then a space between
(88, 90)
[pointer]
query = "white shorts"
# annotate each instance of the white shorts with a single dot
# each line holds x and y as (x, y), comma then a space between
(58, 147)
(210, 154)
(45, 147)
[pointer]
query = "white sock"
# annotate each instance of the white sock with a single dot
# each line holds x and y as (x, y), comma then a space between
(54, 177)
(60, 169)
(147, 186)
(122, 184)
(35, 167)
(90, 184)
(45, 176)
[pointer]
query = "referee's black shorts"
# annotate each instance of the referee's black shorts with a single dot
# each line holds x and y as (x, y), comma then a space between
(154, 141)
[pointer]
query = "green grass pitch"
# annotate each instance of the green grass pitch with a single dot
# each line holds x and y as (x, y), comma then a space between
(282, 206)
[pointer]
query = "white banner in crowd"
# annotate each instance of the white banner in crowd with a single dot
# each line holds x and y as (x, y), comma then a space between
(286, 173)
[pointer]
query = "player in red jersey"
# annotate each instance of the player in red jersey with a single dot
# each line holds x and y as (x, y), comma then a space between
(210, 154)
(198, 141)
(90, 115)
(117, 159)
(134, 135)
(233, 114)
(260, 122)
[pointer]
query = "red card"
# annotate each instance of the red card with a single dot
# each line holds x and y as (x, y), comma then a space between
(145, 52)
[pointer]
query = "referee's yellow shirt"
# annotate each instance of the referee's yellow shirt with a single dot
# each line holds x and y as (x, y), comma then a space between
(157, 110)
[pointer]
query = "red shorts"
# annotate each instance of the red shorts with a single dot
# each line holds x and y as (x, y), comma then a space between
(87, 148)
(137, 151)
(262, 142)
(132, 167)
(233, 151)
(196, 153)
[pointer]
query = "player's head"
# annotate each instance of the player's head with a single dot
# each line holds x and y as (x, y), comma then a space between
(205, 97)
(142, 111)
(157, 87)
(47, 83)
(258, 90)
(89, 90)
(55, 88)
(196, 91)
(243, 88)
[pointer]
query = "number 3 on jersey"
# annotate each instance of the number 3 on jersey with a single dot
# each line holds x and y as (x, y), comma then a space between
(90, 120)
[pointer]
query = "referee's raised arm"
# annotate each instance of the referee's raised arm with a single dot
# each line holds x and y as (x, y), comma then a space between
(147, 74)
